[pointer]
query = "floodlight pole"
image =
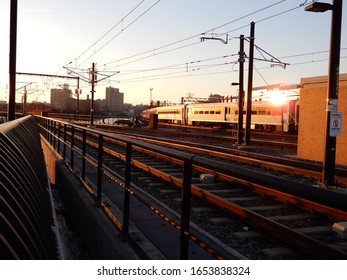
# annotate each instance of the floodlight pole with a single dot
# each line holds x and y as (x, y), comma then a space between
(328, 176)
(11, 108)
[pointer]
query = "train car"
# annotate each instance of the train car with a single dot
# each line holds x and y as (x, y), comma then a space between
(168, 114)
(265, 115)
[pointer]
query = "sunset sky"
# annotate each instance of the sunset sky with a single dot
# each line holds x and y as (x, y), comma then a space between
(156, 44)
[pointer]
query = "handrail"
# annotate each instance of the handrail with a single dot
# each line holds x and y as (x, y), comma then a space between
(26, 205)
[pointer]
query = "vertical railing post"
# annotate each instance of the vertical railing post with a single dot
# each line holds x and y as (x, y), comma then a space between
(64, 149)
(49, 128)
(43, 127)
(72, 148)
(185, 211)
(100, 170)
(84, 140)
(46, 129)
(59, 128)
(54, 131)
(126, 208)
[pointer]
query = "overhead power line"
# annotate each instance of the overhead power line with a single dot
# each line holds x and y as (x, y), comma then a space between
(182, 72)
(113, 27)
(164, 49)
(156, 51)
(123, 29)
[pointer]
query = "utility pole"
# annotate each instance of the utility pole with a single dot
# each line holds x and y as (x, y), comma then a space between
(241, 91)
(332, 115)
(328, 175)
(12, 65)
(250, 86)
(78, 91)
(24, 100)
(92, 101)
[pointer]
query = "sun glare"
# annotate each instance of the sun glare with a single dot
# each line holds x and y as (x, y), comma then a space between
(278, 98)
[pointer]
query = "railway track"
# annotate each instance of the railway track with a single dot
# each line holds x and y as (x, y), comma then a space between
(232, 207)
(300, 170)
(209, 135)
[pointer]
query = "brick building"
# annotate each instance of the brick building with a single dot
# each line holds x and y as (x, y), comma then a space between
(60, 96)
(312, 120)
(114, 100)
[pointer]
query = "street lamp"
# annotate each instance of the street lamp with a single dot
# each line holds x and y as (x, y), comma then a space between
(318, 7)
(328, 175)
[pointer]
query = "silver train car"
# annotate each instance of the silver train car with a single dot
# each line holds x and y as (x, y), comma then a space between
(266, 115)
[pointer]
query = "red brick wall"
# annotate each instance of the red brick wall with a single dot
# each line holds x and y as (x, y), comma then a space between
(311, 137)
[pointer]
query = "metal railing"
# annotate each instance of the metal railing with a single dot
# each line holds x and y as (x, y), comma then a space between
(61, 135)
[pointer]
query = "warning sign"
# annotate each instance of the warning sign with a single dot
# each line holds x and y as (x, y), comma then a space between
(335, 124)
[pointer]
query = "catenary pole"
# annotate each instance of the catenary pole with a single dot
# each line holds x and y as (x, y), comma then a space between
(92, 100)
(241, 91)
(250, 86)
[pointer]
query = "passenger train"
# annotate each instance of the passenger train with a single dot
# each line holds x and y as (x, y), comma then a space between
(266, 115)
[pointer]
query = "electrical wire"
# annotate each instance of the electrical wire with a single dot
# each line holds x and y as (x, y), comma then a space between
(203, 67)
(113, 27)
(182, 65)
(123, 29)
(155, 53)
(109, 31)
(155, 50)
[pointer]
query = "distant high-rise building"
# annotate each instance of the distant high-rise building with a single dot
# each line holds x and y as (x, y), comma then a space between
(59, 97)
(114, 100)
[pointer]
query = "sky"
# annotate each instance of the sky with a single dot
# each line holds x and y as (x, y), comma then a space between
(139, 45)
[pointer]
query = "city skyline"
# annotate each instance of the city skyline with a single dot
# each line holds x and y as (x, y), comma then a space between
(157, 45)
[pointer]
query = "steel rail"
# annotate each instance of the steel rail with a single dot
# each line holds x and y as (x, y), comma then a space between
(294, 167)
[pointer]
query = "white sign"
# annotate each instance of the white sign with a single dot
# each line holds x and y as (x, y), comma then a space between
(335, 124)
(332, 105)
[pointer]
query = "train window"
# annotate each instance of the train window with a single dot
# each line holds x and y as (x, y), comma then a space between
(254, 112)
(212, 112)
(201, 112)
(218, 112)
(206, 112)
(236, 112)
(261, 112)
